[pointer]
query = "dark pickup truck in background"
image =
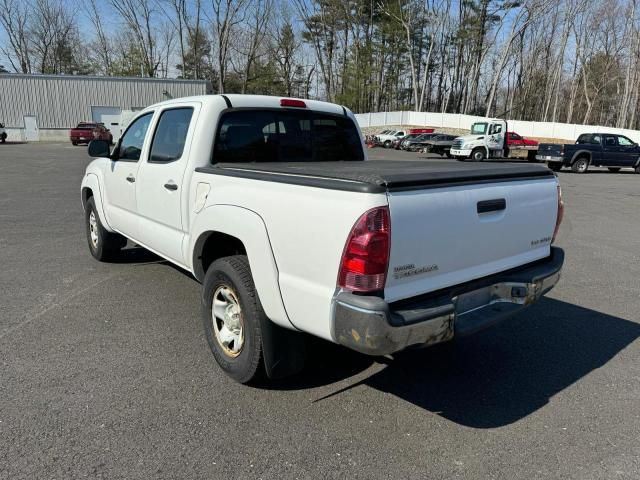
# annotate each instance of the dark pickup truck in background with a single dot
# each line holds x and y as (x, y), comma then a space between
(592, 149)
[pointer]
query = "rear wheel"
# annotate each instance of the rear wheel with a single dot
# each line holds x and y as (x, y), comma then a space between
(637, 169)
(580, 165)
(232, 316)
(387, 144)
(614, 169)
(478, 155)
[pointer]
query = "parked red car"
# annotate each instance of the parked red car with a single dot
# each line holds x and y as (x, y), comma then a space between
(516, 141)
(86, 131)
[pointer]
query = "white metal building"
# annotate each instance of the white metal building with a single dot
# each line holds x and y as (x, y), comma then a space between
(45, 107)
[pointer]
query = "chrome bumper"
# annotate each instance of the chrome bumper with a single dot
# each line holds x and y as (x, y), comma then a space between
(370, 325)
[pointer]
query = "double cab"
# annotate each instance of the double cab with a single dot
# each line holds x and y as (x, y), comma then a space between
(273, 206)
(592, 150)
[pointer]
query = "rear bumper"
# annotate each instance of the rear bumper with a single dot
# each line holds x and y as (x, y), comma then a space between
(550, 158)
(372, 326)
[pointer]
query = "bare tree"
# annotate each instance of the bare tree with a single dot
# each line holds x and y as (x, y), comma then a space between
(228, 14)
(102, 43)
(139, 16)
(14, 19)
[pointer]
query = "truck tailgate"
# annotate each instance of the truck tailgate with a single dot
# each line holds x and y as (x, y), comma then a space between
(442, 237)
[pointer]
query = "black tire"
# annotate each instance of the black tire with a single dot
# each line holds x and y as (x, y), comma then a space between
(448, 154)
(614, 169)
(580, 165)
(387, 144)
(74, 144)
(556, 167)
(3, 138)
(478, 155)
(637, 169)
(234, 273)
(106, 245)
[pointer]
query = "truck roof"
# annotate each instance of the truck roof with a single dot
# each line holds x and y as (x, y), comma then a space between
(255, 101)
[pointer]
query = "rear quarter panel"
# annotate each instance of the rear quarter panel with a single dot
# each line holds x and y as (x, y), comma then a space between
(307, 228)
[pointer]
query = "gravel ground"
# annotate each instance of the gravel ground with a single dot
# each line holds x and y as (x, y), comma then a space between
(105, 372)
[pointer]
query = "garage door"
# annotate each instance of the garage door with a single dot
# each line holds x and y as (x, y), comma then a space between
(110, 116)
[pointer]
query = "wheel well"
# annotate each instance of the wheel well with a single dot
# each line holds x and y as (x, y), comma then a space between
(87, 193)
(580, 155)
(212, 246)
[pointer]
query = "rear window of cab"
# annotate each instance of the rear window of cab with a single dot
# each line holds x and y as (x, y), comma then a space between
(286, 136)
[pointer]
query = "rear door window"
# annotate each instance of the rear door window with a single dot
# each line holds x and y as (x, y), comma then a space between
(285, 136)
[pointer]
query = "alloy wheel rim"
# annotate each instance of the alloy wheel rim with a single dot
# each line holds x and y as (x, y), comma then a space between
(227, 321)
(93, 229)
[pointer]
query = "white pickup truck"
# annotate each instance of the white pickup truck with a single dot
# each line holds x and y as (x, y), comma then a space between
(273, 206)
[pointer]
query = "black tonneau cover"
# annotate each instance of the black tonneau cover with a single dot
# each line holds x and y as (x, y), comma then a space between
(377, 176)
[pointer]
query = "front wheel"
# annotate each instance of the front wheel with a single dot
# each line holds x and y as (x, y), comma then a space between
(478, 155)
(232, 316)
(387, 144)
(103, 244)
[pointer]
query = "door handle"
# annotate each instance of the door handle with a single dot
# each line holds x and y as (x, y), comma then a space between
(171, 186)
(494, 205)
(131, 178)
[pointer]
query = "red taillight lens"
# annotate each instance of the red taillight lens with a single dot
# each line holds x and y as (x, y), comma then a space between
(559, 215)
(292, 102)
(366, 255)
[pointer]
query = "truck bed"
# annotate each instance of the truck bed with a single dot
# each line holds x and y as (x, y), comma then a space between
(378, 176)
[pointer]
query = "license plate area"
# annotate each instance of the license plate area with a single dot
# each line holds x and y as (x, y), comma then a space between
(473, 300)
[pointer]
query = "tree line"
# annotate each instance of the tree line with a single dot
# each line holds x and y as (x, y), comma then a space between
(574, 61)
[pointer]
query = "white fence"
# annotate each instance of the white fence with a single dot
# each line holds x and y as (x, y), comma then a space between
(567, 131)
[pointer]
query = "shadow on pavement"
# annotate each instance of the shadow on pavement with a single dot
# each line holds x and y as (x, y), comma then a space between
(494, 378)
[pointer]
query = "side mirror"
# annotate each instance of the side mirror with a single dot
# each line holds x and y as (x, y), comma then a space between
(99, 148)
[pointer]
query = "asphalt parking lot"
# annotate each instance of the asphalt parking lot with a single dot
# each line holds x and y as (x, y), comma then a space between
(105, 371)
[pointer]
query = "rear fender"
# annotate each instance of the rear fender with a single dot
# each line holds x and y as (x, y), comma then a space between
(580, 153)
(248, 227)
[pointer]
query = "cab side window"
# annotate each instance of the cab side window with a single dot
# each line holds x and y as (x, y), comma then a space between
(170, 135)
(624, 141)
(610, 141)
(133, 138)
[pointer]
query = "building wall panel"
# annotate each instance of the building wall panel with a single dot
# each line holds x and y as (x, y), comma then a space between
(63, 101)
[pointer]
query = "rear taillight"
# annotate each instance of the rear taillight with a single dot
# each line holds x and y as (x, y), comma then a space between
(366, 255)
(559, 215)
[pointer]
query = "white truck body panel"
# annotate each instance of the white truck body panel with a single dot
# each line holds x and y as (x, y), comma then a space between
(295, 234)
(440, 232)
